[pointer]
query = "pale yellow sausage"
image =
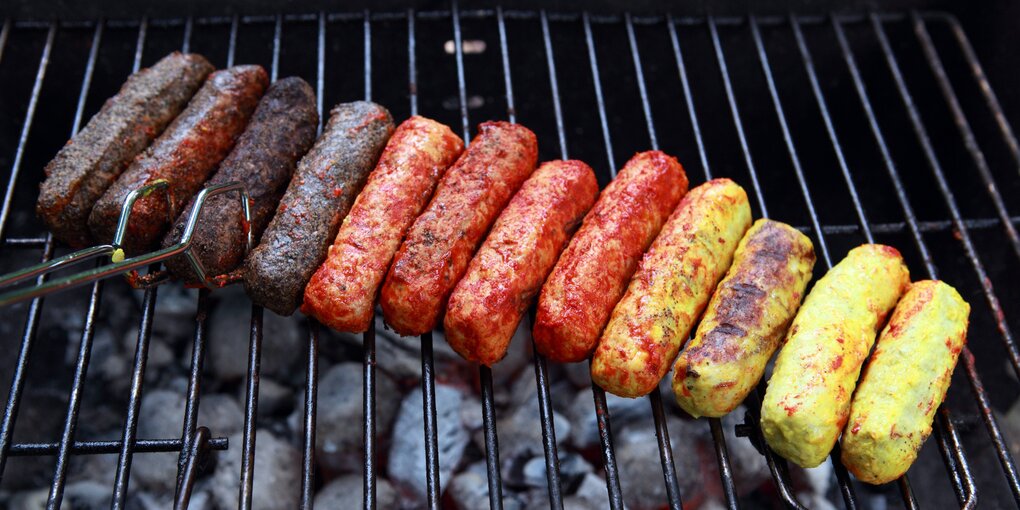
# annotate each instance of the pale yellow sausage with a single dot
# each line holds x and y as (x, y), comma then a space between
(745, 321)
(905, 382)
(808, 397)
(670, 288)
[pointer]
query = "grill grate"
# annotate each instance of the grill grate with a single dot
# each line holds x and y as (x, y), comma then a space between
(723, 35)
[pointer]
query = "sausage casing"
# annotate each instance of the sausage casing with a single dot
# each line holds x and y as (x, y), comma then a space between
(670, 289)
(905, 382)
(507, 272)
(184, 155)
(808, 397)
(126, 124)
(317, 199)
(745, 321)
(280, 131)
(443, 239)
(342, 292)
(592, 273)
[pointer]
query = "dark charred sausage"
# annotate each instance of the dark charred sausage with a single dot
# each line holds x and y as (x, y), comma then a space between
(280, 131)
(442, 240)
(318, 198)
(507, 272)
(127, 123)
(184, 155)
(808, 397)
(342, 292)
(671, 287)
(745, 321)
(592, 274)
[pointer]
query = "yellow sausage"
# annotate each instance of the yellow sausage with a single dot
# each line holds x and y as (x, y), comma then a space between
(808, 397)
(745, 321)
(670, 288)
(905, 382)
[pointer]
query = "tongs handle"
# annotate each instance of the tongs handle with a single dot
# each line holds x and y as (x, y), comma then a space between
(119, 264)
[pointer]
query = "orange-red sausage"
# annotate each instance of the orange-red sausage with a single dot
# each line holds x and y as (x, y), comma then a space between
(442, 240)
(671, 287)
(508, 270)
(593, 272)
(341, 294)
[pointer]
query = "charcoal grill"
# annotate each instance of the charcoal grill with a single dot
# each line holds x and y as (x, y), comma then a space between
(863, 127)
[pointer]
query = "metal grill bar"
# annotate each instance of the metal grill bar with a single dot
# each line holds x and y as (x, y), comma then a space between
(655, 398)
(963, 125)
(731, 100)
(134, 401)
(107, 447)
(368, 408)
(251, 412)
(428, 388)
(311, 392)
(816, 90)
(26, 127)
(715, 424)
(987, 92)
(599, 99)
(929, 152)
(1005, 459)
(188, 427)
(32, 321)
(849, 498)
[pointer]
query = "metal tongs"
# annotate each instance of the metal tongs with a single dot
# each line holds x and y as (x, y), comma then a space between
(120, 265)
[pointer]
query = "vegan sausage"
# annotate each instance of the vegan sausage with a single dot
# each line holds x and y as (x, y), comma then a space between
(443, 239)
(280, 131)
(905, 382)
(341, 294)
(185, 154)
(745, 321)
(808, 397)
(592, 274)
(670, 289)
(126, 124)
(507, 272)
(318, 198)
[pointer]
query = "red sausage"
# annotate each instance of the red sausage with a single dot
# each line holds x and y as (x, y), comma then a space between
(442, 240)
(508, 270)
(342, 292)
(592, 274)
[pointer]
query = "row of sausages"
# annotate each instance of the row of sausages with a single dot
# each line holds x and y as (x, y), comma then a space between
(409, 217)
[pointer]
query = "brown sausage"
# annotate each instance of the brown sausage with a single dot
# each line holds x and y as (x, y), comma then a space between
(318, 198)
(341, 294)
(128, 122)
(507, 272)
(442, 240)
(199, 138)
(592, 274)
(280, 132)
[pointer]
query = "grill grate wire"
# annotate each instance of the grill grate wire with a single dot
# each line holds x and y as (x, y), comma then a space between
(196, 441)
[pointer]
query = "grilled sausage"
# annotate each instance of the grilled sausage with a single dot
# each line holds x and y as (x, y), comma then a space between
(341, 294)
(442, 240)
(592, 274)
(318, 198)
(280, 132)
(808, 397)
(127, 123)
(905, 382)
(745, 321)
(670, 289)
(185, 154)
(508, 270)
